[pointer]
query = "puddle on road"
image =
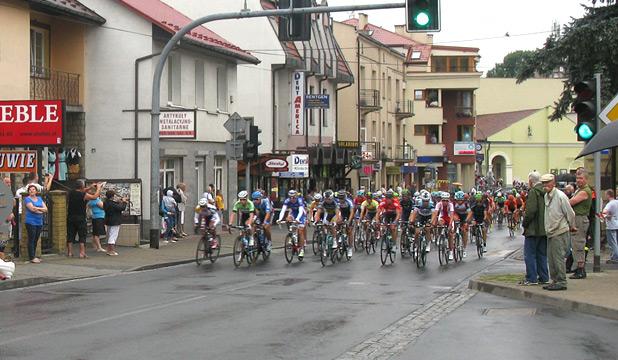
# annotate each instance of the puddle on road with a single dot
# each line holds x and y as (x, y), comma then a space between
(193, 287)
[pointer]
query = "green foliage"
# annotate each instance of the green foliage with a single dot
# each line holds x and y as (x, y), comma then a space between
(585, 47)
(511, 65)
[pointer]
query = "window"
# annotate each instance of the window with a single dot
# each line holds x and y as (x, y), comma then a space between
(416, 55)
(438, 64)
(464, 133)
(374, 78)
(173, 79)
(218, 172)
(39, 50)
(199, 84)
(169, 170)
(199, 172)
(397, 90)
(389, 135)
(221, 88)
(464, 104)
(452, 64)
(389, 88)
(311, 117)
(383, 84)
(363, 134)
(432, 98)
(431, 133)
(324, 113)
(419, 94)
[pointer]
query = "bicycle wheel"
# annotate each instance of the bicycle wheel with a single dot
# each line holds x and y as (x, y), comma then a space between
(392, 255)
(323, 250)
(479, 243)
(442, 256)
(213, 254)
(422, 255)
(356, 237)
(384, 250)
(414, 251)
(200, 252)
(289, 249)
(315, 243)
(403, 243)
(239, 252)
(459, 248)
(368, 238)
(373, 242)
(333, 252)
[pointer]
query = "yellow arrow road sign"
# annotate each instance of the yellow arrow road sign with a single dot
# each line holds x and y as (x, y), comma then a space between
(610, 112)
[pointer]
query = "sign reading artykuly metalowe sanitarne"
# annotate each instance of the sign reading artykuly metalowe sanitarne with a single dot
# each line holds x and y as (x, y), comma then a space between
(177, 124)
(298, 103)
(31, 122)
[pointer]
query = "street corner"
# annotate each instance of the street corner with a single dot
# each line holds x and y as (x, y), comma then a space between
(587, 296)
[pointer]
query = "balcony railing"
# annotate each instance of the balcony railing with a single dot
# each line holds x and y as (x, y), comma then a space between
(404, 109)
(47, 84)
(370, 151)
(369, 99)
(403, 153)
(464, 111)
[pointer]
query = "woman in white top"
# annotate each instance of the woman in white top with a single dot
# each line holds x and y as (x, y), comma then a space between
(181, 188)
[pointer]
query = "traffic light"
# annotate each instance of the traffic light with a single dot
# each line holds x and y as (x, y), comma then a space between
(295, 27)
(586, 109)
(422, 15)
(251, 148)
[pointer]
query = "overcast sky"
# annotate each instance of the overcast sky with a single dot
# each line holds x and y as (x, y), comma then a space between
(485, 22)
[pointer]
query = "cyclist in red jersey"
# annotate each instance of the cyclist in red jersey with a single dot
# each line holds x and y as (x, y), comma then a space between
(390, 211)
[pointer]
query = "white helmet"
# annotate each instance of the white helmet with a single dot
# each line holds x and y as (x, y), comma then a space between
(445, 195)
(243, 194)
(426, 196)
(317, 197)
(203, 202)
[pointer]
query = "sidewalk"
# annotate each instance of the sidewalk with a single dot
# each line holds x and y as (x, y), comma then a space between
(60, 267)
(595, 295)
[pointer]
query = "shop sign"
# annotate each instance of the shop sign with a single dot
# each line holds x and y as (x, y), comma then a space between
(377, 166)
(298, 103)
(464, 148)
(348, 144)
(31, 122)
(367, 170)
(177, 125)
(393, 170)
(276, 164)
(292, 175)
(317, 101)
(21, 161)
(299, 163)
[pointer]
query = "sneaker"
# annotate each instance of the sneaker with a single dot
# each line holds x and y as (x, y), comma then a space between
(350, 252)
(301, 253)
(173, 240)
(101, 250)
(165, 242)
(484, 248)
(35, 261)
(269, 246)
(465, 254)
(450, 256)
(543, 282)
(527, 283)
(555, 287)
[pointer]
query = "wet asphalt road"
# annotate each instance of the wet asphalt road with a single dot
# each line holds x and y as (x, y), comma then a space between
(271, 311)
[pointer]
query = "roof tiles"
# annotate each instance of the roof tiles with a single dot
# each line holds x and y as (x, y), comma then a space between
(490, 124)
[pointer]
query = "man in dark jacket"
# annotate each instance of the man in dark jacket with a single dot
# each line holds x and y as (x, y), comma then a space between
(535, 243)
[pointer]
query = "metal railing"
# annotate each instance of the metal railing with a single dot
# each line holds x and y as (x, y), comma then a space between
(369, 98)
(47, 84)
(404, 107)
(370, 151)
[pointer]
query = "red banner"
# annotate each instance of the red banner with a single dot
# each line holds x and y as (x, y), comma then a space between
(31, 122)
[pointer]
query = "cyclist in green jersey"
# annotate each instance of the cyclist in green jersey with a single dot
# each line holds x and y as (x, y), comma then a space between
(245, 208)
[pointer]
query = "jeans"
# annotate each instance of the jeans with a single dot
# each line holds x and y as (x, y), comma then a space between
(535, 257)
(34, 231)
(169, 226)
(611, 241)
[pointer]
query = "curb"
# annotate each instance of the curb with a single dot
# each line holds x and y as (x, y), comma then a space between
(522, 294)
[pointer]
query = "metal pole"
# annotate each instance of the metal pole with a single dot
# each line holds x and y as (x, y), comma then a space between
(248, 176)
(158, 73)
(597, 185)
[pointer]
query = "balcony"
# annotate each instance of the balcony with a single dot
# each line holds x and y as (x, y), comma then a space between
(370, 151)
(464, 111)
(369, 101)
(403, 154)
(403, 109)
(47, 84)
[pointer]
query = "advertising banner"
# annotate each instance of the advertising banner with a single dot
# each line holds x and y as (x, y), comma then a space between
(464, 148)
(177, 125)
(18, 161)
(298, 104)
(31, 122)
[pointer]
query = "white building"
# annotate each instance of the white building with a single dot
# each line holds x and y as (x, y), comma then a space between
(200, 76)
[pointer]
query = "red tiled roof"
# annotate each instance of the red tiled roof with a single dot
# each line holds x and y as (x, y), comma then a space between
(71, 7)
(171, 20)
(384, 36)
(490, 124)
(425, 50)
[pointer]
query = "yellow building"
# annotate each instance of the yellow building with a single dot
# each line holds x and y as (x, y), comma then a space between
(517, 142)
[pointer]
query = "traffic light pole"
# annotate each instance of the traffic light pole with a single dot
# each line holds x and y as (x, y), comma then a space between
(596, 267)
(155, 219)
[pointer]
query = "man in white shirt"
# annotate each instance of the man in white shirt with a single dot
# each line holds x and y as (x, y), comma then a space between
(610, 213)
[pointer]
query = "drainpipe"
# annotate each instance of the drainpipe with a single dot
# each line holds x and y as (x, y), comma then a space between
(136, 111)
(275, 70)
(321, 117)
(311, 74)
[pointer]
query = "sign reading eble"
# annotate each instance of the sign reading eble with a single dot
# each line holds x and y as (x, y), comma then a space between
(31, 122)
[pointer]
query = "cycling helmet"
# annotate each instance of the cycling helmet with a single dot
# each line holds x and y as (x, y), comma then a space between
(360, 193)
(328, 194)
(459, 195)
(370, 195)
(445, 195)
(405, 192)
(425, 196)
(256, 195)
(292, 193)
(379, 194)
(390, 194)
(243, 195)
(203, 202)
(499, 194)
(518, 196)
(341, 194)
(317, 197)
(478, 196)
(417, 194)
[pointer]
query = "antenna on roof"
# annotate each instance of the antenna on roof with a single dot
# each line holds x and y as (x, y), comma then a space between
(245, 8)
(351, 14)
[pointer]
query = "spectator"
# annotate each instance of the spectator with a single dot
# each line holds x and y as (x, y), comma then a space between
(9, 222)
(113, 207)
(168, 208)
(181, 188)
(610, 213)
(209, 194)
(581, 203)
(535, 242)
(569, 190)
(559, 217)
(220, 203)
(35, 208)
(98, 221)
(76, 215)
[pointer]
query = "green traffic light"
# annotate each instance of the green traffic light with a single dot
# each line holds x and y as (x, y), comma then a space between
(422, 18)
(585, 132)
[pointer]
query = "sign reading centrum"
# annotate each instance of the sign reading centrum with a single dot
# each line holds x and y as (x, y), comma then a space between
(31, 122)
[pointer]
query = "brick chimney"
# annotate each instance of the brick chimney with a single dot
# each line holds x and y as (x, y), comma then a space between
(423, 38)
(363, 20)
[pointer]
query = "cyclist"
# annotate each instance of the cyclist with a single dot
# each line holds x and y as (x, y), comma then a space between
(264, 214)
(460, 214)
(208, 219)
(389, 211)
(313, 207)
(346, 211)
(519, 202)
(407, 204)
(500, 200)
(246, 209)
(328, 212)
(298, 213)
(444, 210)
(510, 207)
(478, 215)
(358, 201)
(422, 216)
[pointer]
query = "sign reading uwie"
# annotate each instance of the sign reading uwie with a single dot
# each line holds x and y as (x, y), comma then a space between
(18, 161)
(31, 122)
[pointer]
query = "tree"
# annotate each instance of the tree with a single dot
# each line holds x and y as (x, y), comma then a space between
(586, 46)
(511, 65)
